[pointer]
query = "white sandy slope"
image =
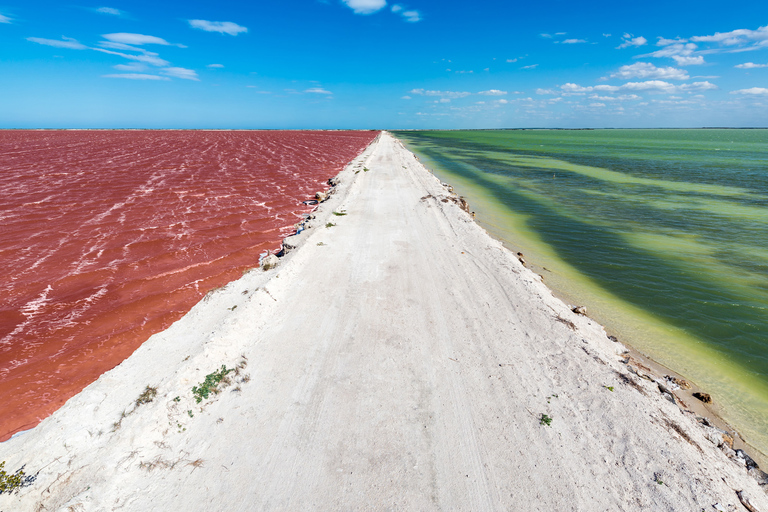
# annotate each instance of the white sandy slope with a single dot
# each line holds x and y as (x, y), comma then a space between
(403, 364)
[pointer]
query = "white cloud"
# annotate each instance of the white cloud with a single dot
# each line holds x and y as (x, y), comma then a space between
(493, 92)
(750, 65)
(186, 74)
(606, 35)
(664, 42)
(545, 91)
(135, 39)
(682, 53)
(146, 57)
(133, 66)
(648, 70)
(318, 90)
(575, 88)
(443, 100)
(698, 86)
(222, 27)
(137, 76)
(65, 42)
(365, 6)
(632, 41)
(648, 85)
(109, 10)
(119, 46)
(4, 19)
(753, 91)
(689, 61)
(736, 37)
(623, 97)
(548, 36)
(405, 98)
(502, 102)
(532, 66)
(447, 94)
(411, 16)
(216, 66)
(397, 8)
(573, 41)
(597, 104)
(511, 60)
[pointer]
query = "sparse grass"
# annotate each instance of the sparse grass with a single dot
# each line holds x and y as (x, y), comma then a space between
(320, 243)
(366, 169)
(339, 214)
(211, 383)
(550, 397)
(177, 399)
(545, 420)
(146, 396)
(233, 308)
(13, 482)
(609, 388)
(330, 225)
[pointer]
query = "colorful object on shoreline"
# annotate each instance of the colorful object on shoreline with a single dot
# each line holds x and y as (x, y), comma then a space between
(111, 236)
(663, 234)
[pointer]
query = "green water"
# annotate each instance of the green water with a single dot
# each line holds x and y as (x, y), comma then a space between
(663, 234)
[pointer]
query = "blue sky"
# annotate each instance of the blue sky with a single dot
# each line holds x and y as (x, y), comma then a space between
(382, 64)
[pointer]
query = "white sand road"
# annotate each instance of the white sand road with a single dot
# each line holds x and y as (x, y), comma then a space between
(399, 360)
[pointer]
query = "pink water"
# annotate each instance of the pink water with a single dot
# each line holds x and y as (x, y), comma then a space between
(107, 237)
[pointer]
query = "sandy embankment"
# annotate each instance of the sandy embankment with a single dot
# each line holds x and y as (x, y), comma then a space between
(400, 360)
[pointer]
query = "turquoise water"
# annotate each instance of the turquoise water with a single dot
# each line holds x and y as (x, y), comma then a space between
(663, 234)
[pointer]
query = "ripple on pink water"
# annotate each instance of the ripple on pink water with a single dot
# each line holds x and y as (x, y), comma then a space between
(111, 236)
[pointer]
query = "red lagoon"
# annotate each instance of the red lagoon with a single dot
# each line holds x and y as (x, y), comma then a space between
(110, 236)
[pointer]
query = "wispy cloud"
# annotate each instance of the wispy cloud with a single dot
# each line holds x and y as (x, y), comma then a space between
(222, 27)
(136, 76)
(512, 60)
(648, 86)
(132, 66)
(753, 91)
(109, 10)
(137, 39)
(629, 40)
(365, 6)
(622, 97)
(750, 65)
(446, 94)
(684, 54)
(145, 57)
(410, 16)
(215, 66)
(64, 42)
(183, 73)
(738, 37)
(573, 41)
(493, 92)
(317, 90)
(532, 66)
(4, 19)
(648, 70)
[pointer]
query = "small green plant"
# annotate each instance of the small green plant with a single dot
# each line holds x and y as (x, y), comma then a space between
(545, 420)
(320, 243)
(14, 482)
(609, 388)
(550, 397)
(190, 413)
(330, 225)
(366, 169)
(211, 383)
(147, 396)
(339, 214)
(177, 399)
(233, 308)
